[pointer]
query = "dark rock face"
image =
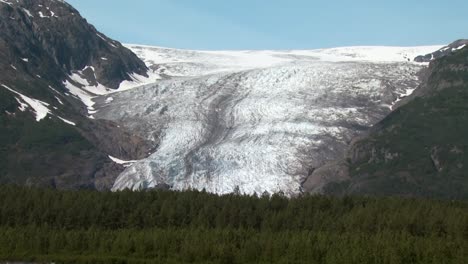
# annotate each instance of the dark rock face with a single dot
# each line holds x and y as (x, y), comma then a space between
(56, 40)
(443, 51)
(419, 150)
(114, 140)
(332, 172)
(41, 43)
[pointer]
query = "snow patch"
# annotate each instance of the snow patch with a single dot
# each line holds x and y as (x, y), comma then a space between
(67, 121)
(5, 2)
(79, 78)
(53, 89)
(84, 90)
(137, 80)
(58, 100)
(22, 106)
(84, 96)
(125, 163)
(41, 15)
(52, 14)
(401, 96)
(39, 107)
(459, 48)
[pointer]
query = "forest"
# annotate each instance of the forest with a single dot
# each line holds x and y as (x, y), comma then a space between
(45, 225)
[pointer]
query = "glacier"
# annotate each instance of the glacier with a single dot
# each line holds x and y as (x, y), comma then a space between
(254, 121)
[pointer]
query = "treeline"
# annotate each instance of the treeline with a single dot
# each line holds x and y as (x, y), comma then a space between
(197, 227)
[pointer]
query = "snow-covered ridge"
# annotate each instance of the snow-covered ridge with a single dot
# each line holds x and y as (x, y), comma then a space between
(443, 51)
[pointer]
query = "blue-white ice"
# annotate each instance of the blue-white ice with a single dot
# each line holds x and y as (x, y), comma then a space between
(255, 120)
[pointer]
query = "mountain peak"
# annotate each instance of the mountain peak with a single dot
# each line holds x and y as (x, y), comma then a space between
(52, 32)
(46, 135)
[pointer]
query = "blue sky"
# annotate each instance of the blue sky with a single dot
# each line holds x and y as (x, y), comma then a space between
(277, 24)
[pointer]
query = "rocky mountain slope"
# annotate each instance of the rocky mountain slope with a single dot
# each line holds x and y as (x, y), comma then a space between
(51, 39)
(444, 51)
(52, 62)
(255, 121)
(419, 149)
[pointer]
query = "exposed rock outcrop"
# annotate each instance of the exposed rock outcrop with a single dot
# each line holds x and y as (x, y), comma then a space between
(46, 136)
(447, 50)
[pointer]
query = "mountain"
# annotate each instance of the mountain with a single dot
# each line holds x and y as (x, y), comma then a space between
(442, 52)
(80, 110)
(50, 38)
(52, 63)
(420, 148)
(255, 121)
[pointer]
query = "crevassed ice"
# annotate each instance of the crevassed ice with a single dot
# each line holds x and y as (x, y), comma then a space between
(226, 122)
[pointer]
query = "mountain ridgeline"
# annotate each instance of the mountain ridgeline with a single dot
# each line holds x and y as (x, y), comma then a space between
(447, 50)
(421, 148)
(46, 139)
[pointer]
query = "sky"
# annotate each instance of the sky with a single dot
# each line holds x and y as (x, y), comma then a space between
(277, 24)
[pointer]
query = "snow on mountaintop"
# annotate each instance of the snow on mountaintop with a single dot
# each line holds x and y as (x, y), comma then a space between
(370, 53)
(249, 59)
(178, 62)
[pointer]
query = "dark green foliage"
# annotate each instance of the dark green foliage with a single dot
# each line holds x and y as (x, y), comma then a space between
(29, 149)
(421, 133)
(196, 227)
(7, 102)
(421, 149)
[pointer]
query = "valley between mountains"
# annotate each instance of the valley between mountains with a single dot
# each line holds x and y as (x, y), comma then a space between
(79, 110)
(126, 153)
(255, 121)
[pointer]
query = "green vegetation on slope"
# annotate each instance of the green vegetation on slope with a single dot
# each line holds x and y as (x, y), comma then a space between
(32, 151)
(196, 227)
(421, 149)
